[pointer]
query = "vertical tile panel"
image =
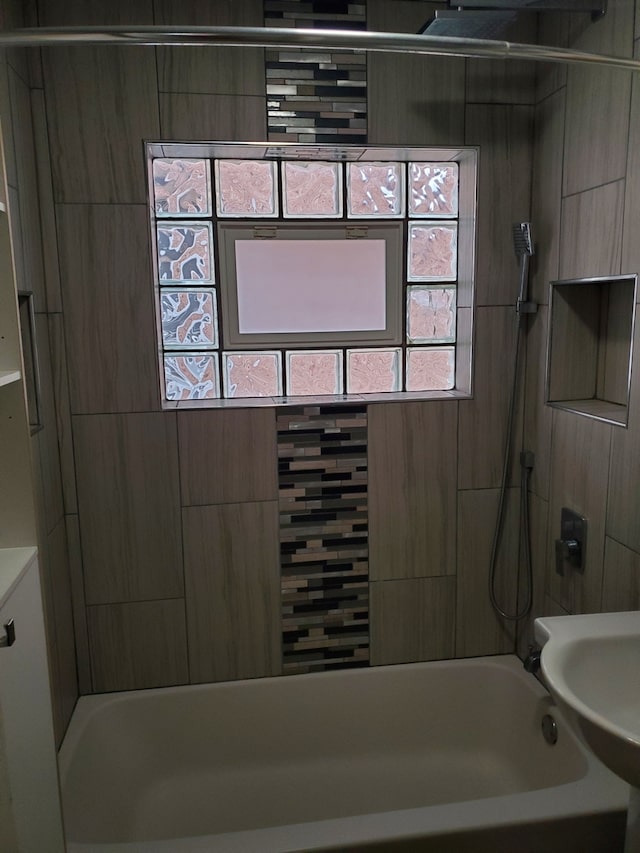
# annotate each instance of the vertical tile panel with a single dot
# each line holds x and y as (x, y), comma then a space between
(220, 117)
(591, 242)
(501, 81)
(63, 412)
(630, 242)
(232, 591)
(538, 513)
(129, 501)
(412, 620)
(47, 436)
(537, 415)
(412, 459)
(621, 582)
(553, 30)
(138, 645)
(79, 605)
(76, 13)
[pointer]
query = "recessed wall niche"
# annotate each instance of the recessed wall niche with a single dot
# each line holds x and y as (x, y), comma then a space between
(590, 346)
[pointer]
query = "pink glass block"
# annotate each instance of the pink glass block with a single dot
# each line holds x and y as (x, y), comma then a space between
(246, 188)
(312, 189)
(181, 187)
(431, 314)
(371, 371)
(191, 377)
(375, 190)
(189, 319)
(184, 252)
(433, 189)
(433, 251)
(313, 373)
(431, 369)
(253, 374)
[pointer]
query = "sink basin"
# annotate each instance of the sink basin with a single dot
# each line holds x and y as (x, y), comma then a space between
(591, 665)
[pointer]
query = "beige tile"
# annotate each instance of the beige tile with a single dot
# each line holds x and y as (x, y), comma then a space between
(218, 71)
(591, 232)
(232, 590)
(538, 513)
(101, 105)
(630, 242)
(547, 194)
(139, 645)
(412, 620)
(79, 606)
(505, 137)
(503, 81)
(109, 308)
(63, 412)
(621, 581)
(129, 504)
(412, 100)
(221, 117)
(483, 420)
(579, 479)
(479, 631)
(412, 489)
(537, 415)
(228, 456)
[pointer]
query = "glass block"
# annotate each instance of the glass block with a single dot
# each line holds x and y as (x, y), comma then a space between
(181, 187)
(191, 377)
(253, 374)
(431, 315)
(246, 188)
(375, 190)
(430, 369)
(311, 189)
(314, 372)
(189, 319)
(433, 251)
(185, 252)
(433, 189)
(371, 371)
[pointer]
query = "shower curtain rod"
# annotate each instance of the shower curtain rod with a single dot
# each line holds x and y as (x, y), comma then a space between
(335, 40)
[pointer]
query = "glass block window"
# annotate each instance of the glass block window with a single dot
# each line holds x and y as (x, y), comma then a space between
(307, 270)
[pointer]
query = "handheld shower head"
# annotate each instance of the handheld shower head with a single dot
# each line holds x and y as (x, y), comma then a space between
(522, 241)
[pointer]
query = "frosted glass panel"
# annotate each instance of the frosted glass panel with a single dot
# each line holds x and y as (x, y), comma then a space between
(431, 314)
(184, 252)
(189, 319)
(431, 369)
(181, 187)
(433, 251)
(252, 374)
(312, 189)
(314, 372)
(433, 189)
(191, 377)
(371, 371)
(375, 190)
(310, 285)
(246, 188)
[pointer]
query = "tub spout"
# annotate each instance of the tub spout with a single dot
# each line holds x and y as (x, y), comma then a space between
(532, 660)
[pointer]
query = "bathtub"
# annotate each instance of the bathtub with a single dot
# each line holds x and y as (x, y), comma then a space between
(441, 756)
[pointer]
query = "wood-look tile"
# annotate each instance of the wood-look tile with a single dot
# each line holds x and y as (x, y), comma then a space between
(630, 242)
(412, 620)
(501, 81)
(7, 131)
(63, 412)
(138, 645)
(48, 435)
(412, 489)
(579, 479)
(621, 581)
(479, 631)
(591, 232)
(575, 334)
(221, 117)
(221, 71)
(623, 511)
(483, 420)
(412, 99)
(79, 605)
(109, 308)
(553, 30)
(227, 456)
(76, 13)
(547, 194)
(537, 415)
(129, 506)
(232, 580)
(538, 517)
(101, 105)
(505, 137)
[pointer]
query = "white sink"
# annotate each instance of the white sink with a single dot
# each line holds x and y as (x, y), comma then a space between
(591, 665)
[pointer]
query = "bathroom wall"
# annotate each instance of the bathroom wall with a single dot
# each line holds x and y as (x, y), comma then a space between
(173, 516)
(586, 211)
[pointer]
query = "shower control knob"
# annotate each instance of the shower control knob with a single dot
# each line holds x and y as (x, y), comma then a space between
(567, 550)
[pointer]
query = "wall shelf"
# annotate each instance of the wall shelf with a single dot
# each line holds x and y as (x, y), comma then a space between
(9, 376)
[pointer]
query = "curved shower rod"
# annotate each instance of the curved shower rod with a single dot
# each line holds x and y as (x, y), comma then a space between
(336, 40)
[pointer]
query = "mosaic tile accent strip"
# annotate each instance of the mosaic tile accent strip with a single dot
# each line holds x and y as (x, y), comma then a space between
(316, 97)
(322, 464)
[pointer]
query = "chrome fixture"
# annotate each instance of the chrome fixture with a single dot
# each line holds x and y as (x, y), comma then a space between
(570, 547)
(532, 661)
(9, 635)
(549, 729)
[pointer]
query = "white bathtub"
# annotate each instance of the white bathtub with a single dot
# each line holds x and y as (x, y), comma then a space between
(442, 756)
